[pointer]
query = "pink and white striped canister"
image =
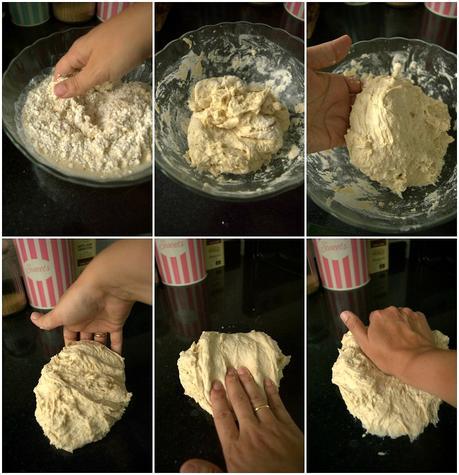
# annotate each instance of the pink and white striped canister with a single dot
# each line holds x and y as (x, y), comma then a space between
(444, 9)
(295, 9)
(343, 263)
(47, 269)
(180, 261)
(105, 10)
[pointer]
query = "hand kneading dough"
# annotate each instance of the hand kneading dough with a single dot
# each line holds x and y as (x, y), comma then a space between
(397, 134)
(81, 394)
(235, 128)
(208, 360)
(384, 405)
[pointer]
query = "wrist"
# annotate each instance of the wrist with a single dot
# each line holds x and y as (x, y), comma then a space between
(410, 370)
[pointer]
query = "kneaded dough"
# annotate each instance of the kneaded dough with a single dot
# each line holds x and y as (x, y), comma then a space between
(384, 405)
(81, 394)
(208, 360)
(398, 135)
(235, 128)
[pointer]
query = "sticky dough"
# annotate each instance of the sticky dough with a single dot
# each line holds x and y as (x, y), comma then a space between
(209, 359)
(384, 405)
(80, 395)
(235, 128)
(398, 135)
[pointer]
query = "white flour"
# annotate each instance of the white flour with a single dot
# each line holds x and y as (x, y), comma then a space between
(106, 133)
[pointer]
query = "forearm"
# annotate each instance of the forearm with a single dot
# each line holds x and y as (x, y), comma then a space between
(123, 269)
(433, 371)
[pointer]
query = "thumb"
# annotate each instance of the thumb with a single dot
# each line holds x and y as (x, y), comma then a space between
(199, 466)
(46, 321)
(356, 327)
(76, 85)
(328, 54)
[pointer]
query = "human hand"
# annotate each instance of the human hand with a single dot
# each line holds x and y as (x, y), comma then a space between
(330, 96)
(394, 337)
(87, 312)
(267, 440)
(107, 52)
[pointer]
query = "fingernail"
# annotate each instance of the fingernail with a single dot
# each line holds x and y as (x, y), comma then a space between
(217, 385)
(231, 372)
(60, 89)
(268, 382)
(344, 316)
(242, 370)
(35, 316)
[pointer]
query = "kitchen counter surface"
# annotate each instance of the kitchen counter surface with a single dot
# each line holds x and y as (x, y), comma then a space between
(36, 203)
(179, 211)
(359, 23)
(126, 448)
(335, 442)
(266, 294)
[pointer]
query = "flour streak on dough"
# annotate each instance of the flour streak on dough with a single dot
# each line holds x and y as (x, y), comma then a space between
(398, 135)
(384, 405)
(235, 128)
(81, 394)
(209, 359)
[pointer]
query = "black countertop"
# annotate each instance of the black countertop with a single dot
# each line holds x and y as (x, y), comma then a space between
(364, 23)
(36, 203)
(264, 294)
(179, 211)
(126, 448)
(335, 442)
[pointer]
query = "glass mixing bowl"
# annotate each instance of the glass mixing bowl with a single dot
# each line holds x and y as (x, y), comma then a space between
(253, 52)
(339, 188)
(34, 61)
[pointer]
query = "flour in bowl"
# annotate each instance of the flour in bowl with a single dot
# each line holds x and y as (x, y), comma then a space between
(106, 133)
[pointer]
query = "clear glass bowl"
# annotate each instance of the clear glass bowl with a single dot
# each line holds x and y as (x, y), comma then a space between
(30, 63)
(339, 188)
(253, 52)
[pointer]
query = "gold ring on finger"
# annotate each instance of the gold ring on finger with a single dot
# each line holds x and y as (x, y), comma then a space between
(261, 407)
(100, 335)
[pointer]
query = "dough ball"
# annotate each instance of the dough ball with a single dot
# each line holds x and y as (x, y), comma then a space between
(235, 128)
(398, 135)
(81, 394)
(384, 405)
(208, 360)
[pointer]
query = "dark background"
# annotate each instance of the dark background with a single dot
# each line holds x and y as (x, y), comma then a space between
(263, 291)
(128, 445)
(364, 23)
(426, 282)
(179, 211)
(36, 203)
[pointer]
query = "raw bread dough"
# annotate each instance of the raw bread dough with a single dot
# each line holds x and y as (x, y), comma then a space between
(81, 394)
(398, 135)
(208, 360)
(235, 128)
(384, 405)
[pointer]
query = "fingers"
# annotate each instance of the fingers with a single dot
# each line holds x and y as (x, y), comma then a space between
(69, 336)
(223, 417)
(239, 399)
(199, 466)
(357, 328)
(275, 402)
(354, 85)
(76, 85)
(86, 336)
(116, 341)
(69, 64)
(328, 54)
(47, 321)
(257, 398)
(101, 338)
